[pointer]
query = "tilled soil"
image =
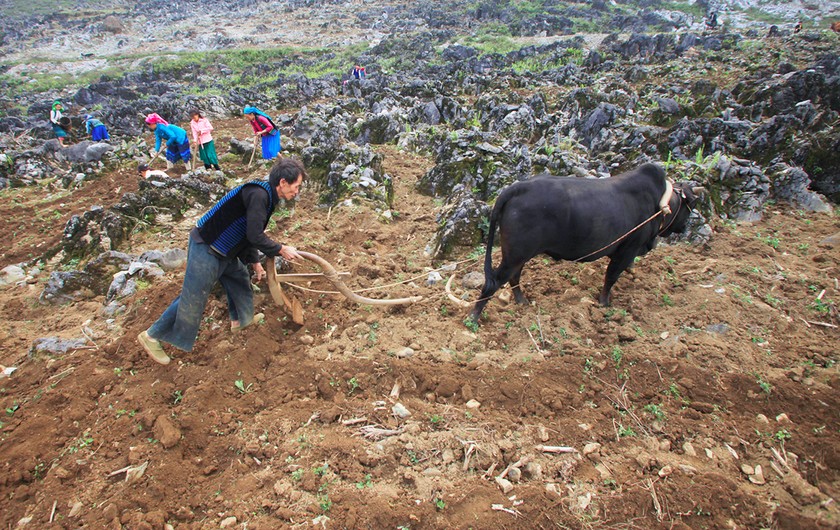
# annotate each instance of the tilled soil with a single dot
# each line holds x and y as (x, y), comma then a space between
(712, 361)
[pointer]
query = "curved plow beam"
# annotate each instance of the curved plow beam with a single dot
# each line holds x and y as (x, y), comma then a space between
(332, 276)
(454, 299)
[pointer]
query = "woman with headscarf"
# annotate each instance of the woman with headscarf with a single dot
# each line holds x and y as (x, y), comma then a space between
(96, 129)
(174, 138)
(266, 129)
(55, 120)
(201, 129)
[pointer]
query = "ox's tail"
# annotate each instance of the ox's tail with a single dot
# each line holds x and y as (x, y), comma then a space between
(498, 208)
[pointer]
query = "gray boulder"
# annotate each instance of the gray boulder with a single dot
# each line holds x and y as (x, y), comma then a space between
(84, 152)
(113, 24)
(460, 224)
(171, 259)
(55, 346)
(382, 128)
(356, 174)
(791, 184)
(70, 286)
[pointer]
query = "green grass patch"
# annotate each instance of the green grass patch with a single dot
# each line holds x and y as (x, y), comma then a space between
(757, 15)
(492, 38)
(690, 8)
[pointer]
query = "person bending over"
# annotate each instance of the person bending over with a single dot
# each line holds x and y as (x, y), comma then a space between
(224, 238)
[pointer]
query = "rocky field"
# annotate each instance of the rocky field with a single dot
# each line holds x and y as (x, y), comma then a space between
(704, 397)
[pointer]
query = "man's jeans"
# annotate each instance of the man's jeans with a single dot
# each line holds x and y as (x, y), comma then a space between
(178, 325)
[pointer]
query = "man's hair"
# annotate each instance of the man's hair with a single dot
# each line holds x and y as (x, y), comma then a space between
(286, 169)
(142, 168)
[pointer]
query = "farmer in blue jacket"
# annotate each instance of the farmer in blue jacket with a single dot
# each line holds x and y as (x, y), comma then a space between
(177, 143)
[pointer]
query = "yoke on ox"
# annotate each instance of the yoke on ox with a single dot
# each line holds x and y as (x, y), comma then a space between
(578, 219)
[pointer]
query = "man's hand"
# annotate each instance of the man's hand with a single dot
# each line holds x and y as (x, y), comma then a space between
(289, 253)
(259, 271)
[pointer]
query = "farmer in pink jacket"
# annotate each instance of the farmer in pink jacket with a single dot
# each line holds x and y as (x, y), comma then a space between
(203, 139)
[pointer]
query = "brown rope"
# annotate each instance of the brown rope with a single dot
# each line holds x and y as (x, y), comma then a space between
(620, 239)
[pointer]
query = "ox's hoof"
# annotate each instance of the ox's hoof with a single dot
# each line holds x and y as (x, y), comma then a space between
(604, 301)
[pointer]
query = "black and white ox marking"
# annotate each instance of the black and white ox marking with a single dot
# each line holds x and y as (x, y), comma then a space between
(571, 218)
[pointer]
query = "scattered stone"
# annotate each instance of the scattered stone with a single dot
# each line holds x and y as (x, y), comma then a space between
(603, 471)
(688, 470)
(405, 353)
(504, 484)
(23, 521)
(448, 456)
(710, 454)
(11, 274)
(758, 476)
(55, 346)
(533, 471)
(75, 509)
(227, 522)
(307, 340)
(542, 432)
(167, 432)
(514, 474)
(689, 450)
(761, 418)
(432, 472)
(719, 329)
(747, 469)
(399, 410)
(783, 418)
(473, 404)
(666, 471)
(473, 280)
(592, 450)
(583, 501)
(552, 488)
(832, 241)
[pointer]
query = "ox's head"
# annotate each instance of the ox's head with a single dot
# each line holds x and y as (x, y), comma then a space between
(682, 202)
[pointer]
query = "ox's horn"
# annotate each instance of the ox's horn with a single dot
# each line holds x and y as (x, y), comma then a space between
(457, 301)
(699, 190)
(666, 197)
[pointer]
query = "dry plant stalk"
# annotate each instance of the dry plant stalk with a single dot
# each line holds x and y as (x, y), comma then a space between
(375, 432)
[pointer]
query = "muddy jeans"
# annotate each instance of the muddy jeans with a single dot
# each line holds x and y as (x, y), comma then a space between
(178, 325)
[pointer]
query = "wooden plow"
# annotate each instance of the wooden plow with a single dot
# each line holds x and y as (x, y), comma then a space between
(293, 306)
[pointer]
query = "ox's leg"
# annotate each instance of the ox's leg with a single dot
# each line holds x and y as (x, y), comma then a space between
(618, 264)
(517, 290)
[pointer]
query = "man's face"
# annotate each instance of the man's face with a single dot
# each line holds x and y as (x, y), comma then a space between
(289, 191)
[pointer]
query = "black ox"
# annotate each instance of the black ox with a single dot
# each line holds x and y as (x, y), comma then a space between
(580, 219)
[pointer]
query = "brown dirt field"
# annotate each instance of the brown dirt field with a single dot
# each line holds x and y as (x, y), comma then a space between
(678, 407)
